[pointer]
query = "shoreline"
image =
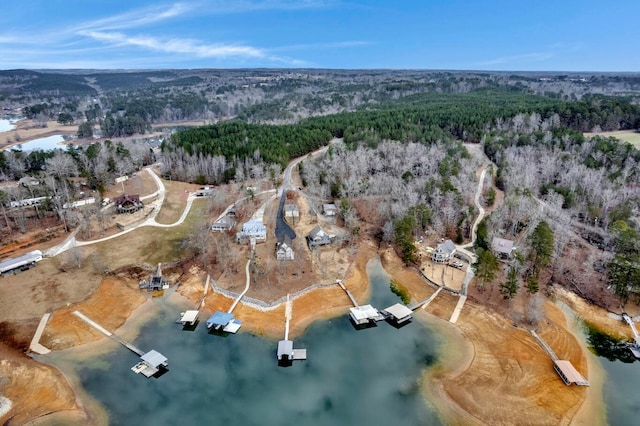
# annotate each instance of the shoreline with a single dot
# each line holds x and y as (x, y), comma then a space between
(456, 350)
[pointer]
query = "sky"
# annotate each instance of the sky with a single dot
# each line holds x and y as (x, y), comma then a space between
(502, 35)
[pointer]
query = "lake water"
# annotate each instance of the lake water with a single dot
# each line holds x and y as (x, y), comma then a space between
(351, 376)
(43, 144)
(622, 377)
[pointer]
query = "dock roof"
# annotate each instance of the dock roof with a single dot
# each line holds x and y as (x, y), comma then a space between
(190, 316)
(569, 372)
(398, 311)
(285, 347)
(154, 358)
(220, 318)
(363, 312)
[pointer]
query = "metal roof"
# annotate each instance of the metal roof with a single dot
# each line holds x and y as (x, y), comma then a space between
(398, 311)
(501, 245)
(220, 318)
(446, 247)
(189, 316)
(153, 358)
(364, 312)
(32, 256)
(570, 372)
(285, 347)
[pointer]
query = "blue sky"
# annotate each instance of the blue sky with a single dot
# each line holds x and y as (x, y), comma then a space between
(561, 35)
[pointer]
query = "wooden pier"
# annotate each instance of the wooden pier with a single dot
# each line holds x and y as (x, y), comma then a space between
(563, 368)
(107, 333)
(353, 300)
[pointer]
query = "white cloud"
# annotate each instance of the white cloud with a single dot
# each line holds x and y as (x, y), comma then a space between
(527, 57)
(177, 45)
(137, 18)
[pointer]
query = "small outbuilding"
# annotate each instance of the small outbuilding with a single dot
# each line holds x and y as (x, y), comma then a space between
(329, 209)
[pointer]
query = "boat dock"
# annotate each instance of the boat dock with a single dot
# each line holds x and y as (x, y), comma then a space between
(361, 315)
(189, 318)
(563, 368)
(398, 314)
(152, 363)
(635, 346)
(286, 353)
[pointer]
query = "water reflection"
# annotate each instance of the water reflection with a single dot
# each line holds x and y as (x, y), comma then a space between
(606, 346)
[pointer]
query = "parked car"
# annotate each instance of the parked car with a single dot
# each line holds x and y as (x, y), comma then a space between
(458, 265)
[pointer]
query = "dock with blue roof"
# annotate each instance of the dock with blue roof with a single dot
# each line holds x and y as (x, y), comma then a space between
(223, 321)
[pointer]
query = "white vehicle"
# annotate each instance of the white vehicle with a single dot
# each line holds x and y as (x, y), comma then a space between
(458, 265)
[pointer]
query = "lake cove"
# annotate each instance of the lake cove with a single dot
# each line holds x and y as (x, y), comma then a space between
(368, 376)
(43, 144)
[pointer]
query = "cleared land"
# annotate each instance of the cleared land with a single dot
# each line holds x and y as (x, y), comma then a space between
(633, 137)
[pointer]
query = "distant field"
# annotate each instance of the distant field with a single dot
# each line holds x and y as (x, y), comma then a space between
(624, 135)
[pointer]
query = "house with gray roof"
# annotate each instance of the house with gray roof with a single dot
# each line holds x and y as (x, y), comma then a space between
(223, 224)
(318, 237)
(503, 248)
(444, 252)
(284, 249)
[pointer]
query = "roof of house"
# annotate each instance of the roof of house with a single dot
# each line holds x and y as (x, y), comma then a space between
(254, 226)
(284, 241)
(126, 197)
(225, 221)
(291, 208)
(446, 247)
(317, 232)
(501, 245)
(220, 318)
(326, 207)
(153, 358)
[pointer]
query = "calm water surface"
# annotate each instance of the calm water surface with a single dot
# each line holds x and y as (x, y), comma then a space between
(43, 144)
(6, 125)
(351, 377)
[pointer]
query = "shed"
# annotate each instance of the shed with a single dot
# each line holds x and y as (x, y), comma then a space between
(329, 209)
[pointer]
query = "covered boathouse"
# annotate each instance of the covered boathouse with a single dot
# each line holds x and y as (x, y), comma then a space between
(223, 321)
(398, 314)
(364, 314)
(189, 318)
(286, 353)
(152, 363)
(568, 373)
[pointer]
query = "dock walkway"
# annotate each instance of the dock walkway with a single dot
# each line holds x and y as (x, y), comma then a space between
(35, 345)
(544, 345)
(458, 309)
(107, 333)
(353, 300)
(426, 302)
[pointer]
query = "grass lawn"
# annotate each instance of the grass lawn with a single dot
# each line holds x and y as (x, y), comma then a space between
(175, 200)
(150, 244)
(624, 135)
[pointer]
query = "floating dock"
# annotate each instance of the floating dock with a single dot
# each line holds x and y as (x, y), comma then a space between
(152, 363)
(188, 318)
(286, 354)
(223, 321)
(398, 314)
(365, 314)
(563, 368)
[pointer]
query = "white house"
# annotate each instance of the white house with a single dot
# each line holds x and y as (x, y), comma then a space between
(284, 249)
(329, 209)
(223, 224)
(444, 252)
(318, 237)
(254, 229)
(291, 211)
